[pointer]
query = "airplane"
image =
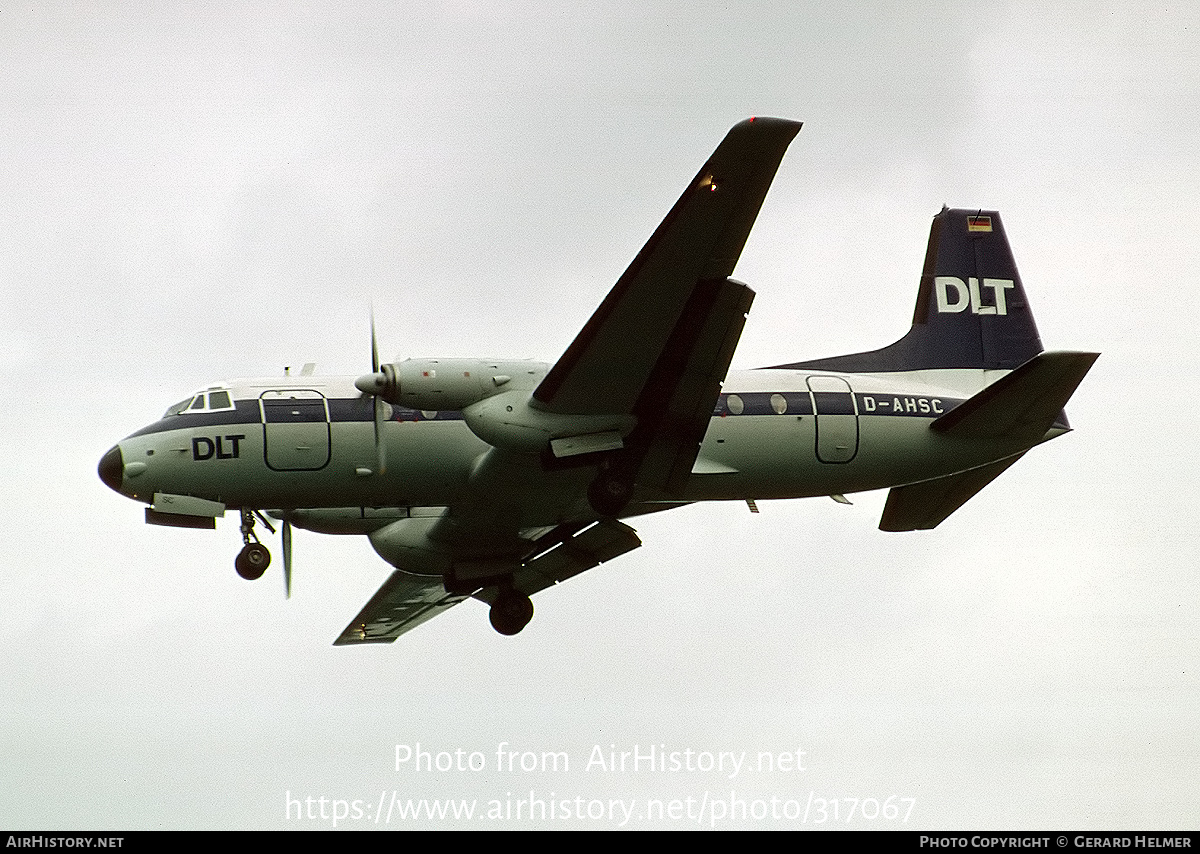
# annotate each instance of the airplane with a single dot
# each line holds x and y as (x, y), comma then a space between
(497, 479)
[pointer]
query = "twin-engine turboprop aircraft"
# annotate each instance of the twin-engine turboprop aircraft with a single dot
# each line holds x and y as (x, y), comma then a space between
(494, 480)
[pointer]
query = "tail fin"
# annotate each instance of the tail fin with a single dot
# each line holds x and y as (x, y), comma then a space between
(971, 308)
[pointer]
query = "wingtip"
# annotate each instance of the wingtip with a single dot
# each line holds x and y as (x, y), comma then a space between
(760, 137)
(771, 121)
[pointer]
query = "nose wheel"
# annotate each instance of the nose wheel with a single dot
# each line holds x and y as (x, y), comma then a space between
(252, 561)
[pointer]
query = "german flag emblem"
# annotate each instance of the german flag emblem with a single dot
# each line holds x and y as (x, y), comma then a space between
(979, 223)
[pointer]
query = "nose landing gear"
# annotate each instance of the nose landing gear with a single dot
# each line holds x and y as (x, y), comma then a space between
(252, 561)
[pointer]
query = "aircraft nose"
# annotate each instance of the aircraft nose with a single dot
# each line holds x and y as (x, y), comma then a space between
(112, 468)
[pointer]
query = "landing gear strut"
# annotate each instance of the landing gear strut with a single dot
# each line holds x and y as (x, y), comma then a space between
(511, 611)
(252, 561)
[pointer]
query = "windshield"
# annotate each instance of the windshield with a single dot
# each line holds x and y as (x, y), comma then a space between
(177, 408)
(209, 400)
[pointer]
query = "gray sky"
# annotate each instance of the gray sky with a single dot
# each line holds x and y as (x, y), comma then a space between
(189, 193)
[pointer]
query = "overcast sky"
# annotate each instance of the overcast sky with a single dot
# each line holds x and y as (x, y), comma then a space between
(191, 192)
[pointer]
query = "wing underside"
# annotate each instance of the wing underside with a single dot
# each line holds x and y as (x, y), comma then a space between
(405, 601)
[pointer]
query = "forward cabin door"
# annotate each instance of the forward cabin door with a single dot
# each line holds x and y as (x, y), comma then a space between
(295, 430)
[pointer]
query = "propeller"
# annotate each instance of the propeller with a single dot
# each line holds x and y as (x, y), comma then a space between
(380, 383)
(286, 537)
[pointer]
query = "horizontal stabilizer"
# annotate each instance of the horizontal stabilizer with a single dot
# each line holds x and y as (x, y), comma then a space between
(921, 506)
(1021, 406)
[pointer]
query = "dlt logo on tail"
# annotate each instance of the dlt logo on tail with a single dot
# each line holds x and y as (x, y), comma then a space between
(969, 291)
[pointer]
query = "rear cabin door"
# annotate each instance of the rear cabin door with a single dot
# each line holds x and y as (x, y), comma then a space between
(837, 419)
(295, 430)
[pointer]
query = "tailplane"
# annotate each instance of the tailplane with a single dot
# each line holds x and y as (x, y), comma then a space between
(1014, 413)
(971, 310)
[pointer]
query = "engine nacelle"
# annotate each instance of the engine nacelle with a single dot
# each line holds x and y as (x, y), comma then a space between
(447, 384)
(509, 421)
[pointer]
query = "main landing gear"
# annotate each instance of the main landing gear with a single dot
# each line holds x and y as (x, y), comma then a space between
(611, 490)
(252, 561)
(511, 611)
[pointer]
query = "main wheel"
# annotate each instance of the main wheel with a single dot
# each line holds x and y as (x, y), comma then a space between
(252, 561)
(608, 495)
(511, 612)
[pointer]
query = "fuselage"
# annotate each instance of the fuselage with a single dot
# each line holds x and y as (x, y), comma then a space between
(297, 443)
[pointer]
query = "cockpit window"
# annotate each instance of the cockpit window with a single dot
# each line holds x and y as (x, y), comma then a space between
(217, 400)
(176, 408)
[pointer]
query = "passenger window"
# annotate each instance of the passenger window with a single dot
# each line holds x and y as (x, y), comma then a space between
(735, 404)
(779, 403)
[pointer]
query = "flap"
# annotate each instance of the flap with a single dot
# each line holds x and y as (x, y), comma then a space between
(572, 555)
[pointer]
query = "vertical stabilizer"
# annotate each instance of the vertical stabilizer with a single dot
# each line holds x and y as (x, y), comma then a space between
(971, 310)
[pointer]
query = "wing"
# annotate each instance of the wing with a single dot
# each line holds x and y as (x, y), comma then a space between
(609, 363)
(660, 344)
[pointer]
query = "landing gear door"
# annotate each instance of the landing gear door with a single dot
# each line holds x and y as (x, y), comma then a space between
(837, 419)
(295, 430)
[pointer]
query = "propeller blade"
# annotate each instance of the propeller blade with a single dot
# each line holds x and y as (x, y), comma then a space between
(374, 345)
(376, 384)
(287, 558)
(380, 449)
